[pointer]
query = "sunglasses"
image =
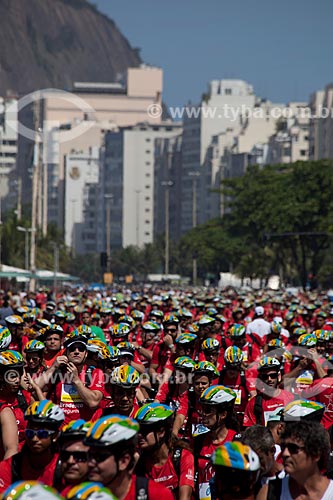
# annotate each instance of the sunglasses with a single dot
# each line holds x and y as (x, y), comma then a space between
(40, 433)
(266, 376)
(171, 329)
(80, 348)
(78, 456)
(98, 457)
(292, 447)
(145, 430)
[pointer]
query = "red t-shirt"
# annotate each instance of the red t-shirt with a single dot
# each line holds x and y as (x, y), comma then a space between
(68, 398)
(204, 469)
(180, 400)
(269, 404)
(322, 391)
(28, 472)
(160, 356)
(167, 475)
(155, 491)
(12, 402)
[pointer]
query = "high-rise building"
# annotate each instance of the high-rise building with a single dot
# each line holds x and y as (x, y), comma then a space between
(129, 181)
(321, 128)
(9, 191)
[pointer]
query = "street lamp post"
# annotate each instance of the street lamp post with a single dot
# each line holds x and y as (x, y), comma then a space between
(194, 175)
(26, 231)
(167, 185)
(108, 198)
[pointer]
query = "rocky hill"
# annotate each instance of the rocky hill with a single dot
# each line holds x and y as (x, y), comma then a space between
(51, 43)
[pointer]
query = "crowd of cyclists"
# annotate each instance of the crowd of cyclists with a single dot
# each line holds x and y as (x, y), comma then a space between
(148, 393)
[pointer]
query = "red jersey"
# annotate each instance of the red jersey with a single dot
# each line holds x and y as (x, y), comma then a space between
(68, 398)
(269, 404)
(13, 403)
(155, 491)
(160, 356)
(167, 475)
(28, 471)
(322, 391)
(180, 400)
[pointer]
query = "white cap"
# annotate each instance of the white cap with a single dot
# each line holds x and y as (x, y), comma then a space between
(259, 310)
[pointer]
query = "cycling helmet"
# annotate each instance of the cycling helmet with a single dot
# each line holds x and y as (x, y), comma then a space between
(193, 328)
(210, 345)
(137, 315)
(206, 320)
(56, 328)
(170, 318)
(211, 311)
(206, 368)
(84, 330)
(120, 330)
(45, 412)
(42, 323)
(186, 338)
(236, 455)
(74, 337)
(156, 313)
(89, 491)
(70, 317)
(127, 319)
(269, 363)
(221, 318)
(114, 352)
(217, 395)
(34, 346)
(151, 326)
(23, 310)
(276, 327)
(30, 490)
(125, 376)
(307, 340)
(111, 430)
(14, 320)
(322, 335)
(233, 355)
(236, 330)
(303, 410)
(184, 363)
(305, 378)
(153, 413)
(275, 344)
(5, 338)
(289, 316)
(126, 349)
(298, 331)
(11, 359)
(75, 429)
(184, 313)
(95, 316)
(60, 314)
(95, 345)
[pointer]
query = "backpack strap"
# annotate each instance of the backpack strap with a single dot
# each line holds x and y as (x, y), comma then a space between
(254, 339)
(88, 377)
(57, 477)
(223, 342)
(16, 467)
(22, 402)
(141, 488)
(258, 408)
(274, 489)
(176, 460)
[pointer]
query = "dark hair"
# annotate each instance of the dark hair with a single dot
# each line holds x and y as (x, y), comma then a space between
(258, 437)
(314, 438)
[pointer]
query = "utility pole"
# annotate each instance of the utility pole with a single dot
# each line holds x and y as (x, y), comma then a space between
(19, 199)
(194, 175)
(167, 185)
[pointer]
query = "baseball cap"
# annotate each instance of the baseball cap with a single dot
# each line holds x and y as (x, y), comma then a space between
(259, 310)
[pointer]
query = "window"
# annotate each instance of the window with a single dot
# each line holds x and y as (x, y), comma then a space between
(148, 140)
(147, 210)
(147, 151)
(147, 221)
(228, 92)
(147, 234)
(147, 174)
(147, 162)
(303, 152)
(147, 198)
(147, 187)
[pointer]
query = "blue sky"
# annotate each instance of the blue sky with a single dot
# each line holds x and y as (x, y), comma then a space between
(284, 49)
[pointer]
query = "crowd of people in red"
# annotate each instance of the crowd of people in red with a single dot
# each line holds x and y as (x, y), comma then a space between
(184, 394)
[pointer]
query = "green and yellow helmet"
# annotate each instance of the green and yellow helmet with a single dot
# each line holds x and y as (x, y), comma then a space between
(90, 491)
(236, 455)
(205, 368)
(45, 412)
(125, 376)
(210, 345)
(153, 413)
(217, 395)
(30, 490)
(111, 430)
(236, 331)
(233, 355)
(184, 363)
(5, 338)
